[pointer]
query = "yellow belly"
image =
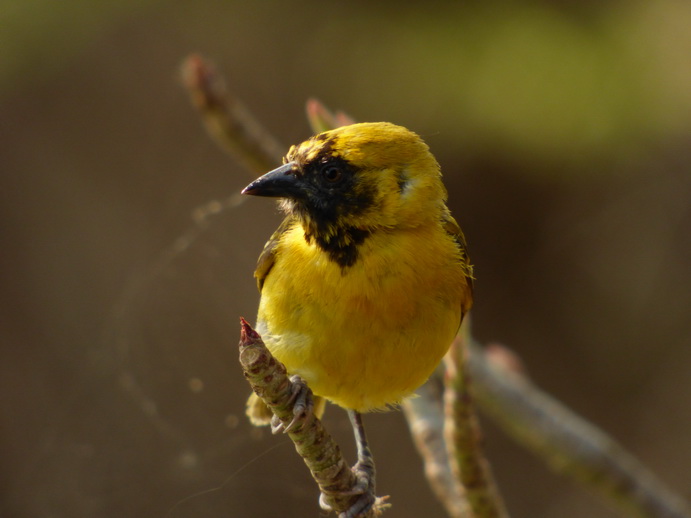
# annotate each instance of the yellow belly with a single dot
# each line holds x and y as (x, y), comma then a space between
(368, 335)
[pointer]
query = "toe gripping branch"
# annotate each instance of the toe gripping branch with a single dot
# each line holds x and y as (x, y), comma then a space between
(342, 488)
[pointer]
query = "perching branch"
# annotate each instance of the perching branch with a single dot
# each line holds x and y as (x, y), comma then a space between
(568, 443)
(268, 379)
(463, 437)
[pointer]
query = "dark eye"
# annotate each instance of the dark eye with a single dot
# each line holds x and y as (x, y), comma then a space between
(332, 173)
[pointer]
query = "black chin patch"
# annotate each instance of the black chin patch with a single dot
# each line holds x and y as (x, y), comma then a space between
(343, 247)
(328, 207)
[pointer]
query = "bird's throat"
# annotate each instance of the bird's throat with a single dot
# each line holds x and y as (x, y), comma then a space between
(341, 244)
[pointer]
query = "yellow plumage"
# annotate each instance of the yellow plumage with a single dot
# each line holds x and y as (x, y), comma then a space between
(365, 283)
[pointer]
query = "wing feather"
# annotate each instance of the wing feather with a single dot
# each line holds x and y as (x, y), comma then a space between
(454, 230)
(268, 256)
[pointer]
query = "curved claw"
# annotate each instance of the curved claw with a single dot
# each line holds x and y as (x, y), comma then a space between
(324, 504)
(366, 502)
(303, 407)
(358, 508)
(364, 487)
(361, 506)
(364, 471)
(276, 425)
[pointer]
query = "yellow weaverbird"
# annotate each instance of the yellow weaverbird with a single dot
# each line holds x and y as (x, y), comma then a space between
(366, 281)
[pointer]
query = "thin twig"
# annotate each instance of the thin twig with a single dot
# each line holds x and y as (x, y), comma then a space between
(267, 377)
(425, 416)
(321, 119)
(568, 443)
(227, 120)
(463, 438)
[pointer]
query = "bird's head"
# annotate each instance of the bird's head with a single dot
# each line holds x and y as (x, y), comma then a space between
(364, 176)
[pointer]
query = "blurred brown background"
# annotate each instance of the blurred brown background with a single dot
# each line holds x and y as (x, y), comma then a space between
(563, 129)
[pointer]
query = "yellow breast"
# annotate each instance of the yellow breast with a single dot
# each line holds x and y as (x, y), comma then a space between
(367, 335)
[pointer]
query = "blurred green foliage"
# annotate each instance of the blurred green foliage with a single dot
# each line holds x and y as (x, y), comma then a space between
(547, 81)
(41, 37)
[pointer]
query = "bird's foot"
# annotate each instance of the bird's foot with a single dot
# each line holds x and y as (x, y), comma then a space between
(364, 492)
(303, 407)
(364, 473)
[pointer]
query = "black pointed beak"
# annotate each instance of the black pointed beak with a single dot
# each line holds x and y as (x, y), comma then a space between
(279, 183)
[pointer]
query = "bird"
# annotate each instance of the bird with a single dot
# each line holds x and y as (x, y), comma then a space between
(365, 283)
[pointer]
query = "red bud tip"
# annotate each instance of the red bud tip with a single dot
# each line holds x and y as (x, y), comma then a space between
(314, 107)
(204, 85)
(504, 358)
(343, 119)
(193, 71)
(247, 334)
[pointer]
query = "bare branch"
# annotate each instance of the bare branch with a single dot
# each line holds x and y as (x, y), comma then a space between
(463, 438)
(567, 442)
(321, 454)
(227, 120)
(425, 416)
